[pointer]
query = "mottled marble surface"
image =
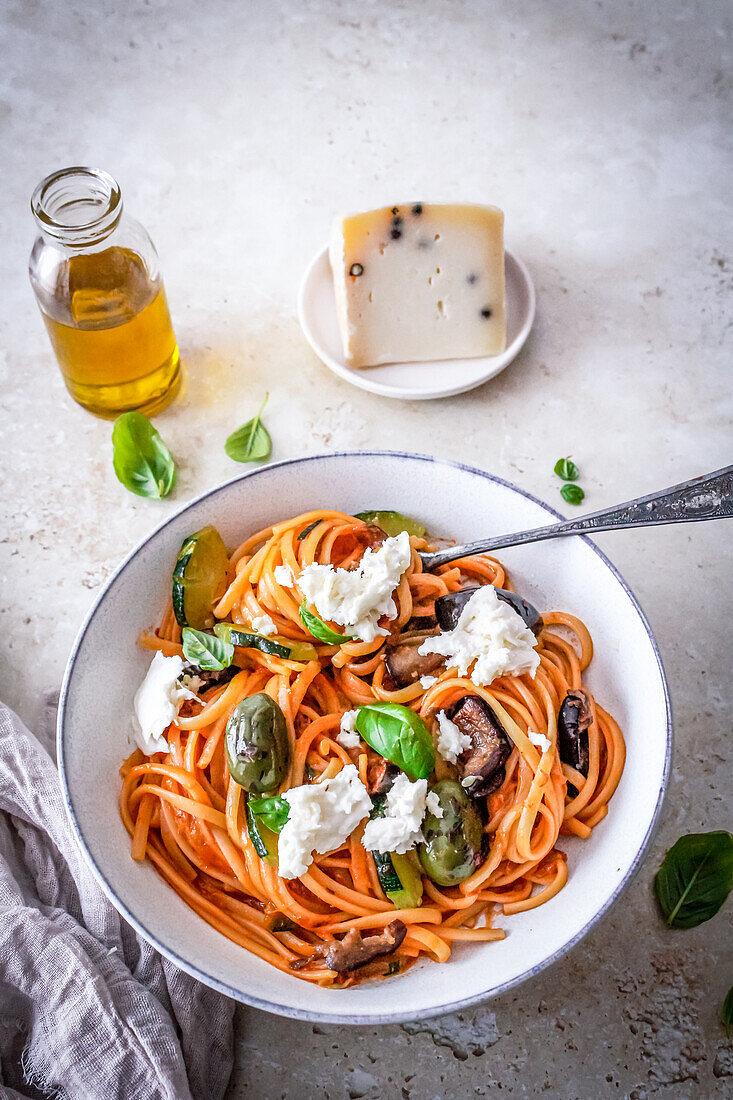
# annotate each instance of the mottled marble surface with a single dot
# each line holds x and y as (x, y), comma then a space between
(236, 129)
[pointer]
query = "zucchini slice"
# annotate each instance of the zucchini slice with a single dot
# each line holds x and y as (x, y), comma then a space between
(392, 523)
(199, 578)
(263, 839)
(399, 878)
(276, 646)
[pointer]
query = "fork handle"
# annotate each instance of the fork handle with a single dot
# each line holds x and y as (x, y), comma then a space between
(706, 497)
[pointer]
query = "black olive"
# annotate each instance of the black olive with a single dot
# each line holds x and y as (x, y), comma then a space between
(448, 608)
(572, 733)
(417, 209)
(396, 234)
(356, 269)
(395, 209)
(486, 312)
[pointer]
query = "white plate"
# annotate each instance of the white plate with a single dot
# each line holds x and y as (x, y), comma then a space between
(107, 665)
(412, 381)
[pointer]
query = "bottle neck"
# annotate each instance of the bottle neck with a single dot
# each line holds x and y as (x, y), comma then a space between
(77, 207)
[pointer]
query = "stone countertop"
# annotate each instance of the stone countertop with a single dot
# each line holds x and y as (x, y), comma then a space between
(236, 131)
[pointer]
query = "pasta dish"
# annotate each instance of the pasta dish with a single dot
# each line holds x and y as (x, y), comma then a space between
(345, 763)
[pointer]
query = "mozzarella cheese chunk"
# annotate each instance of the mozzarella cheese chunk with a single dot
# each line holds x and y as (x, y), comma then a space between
(283, 575)
(357, 598)
(347, 735)
(320, 818)
(157, 703)
(491, 637)
(263, 624)
(543, 743)
(451, 741)
(404, 809)
(433, 806)
(418, 282)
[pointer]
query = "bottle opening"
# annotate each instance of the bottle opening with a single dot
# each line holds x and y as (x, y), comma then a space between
(77, 205)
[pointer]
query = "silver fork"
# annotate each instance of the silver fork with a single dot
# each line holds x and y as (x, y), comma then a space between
(706, 497)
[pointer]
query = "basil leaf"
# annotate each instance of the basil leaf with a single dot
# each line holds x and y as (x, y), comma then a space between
(206, 650)
(318, 629)
(695, 878)
(251, 442)
(392, 523)
(141, 460)
(726, 1015)
(566, 469)
(573, 494)
(229, 632)
(307, 530)
(272, 811)
(399, 735)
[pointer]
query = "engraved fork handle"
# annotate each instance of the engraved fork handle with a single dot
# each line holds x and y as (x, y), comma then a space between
(706, 497)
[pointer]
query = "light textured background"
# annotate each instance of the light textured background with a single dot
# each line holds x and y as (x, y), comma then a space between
(236, 130)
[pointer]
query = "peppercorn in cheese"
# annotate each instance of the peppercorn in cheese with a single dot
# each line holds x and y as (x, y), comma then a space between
(419, 282)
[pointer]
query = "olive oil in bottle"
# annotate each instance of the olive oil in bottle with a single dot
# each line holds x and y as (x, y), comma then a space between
(96, 279)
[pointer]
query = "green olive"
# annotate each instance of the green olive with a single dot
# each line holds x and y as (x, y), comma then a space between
(448, 855)
(256, 744)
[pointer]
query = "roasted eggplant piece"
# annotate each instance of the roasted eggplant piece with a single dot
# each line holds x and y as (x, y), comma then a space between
(370, 536)
(404, 663)
(448, 608)
(355, 950)
(572, 733)
(380, 776)
(426, 623)
(208, 678)
(482, 765)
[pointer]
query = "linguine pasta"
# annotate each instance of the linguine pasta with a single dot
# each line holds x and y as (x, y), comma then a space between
(186, 814)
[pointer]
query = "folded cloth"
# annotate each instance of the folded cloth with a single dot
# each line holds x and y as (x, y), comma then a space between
(88, 1009)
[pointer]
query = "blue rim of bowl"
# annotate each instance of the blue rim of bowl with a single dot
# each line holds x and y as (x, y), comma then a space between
(339, 1018)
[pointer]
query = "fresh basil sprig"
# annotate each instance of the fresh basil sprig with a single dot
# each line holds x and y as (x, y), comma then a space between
(318, 629)
(726, 1015)
(399, 735)
(695, 878)
(566, 469)
(272, 811)
(572, 494)
(251, 442)
(307, 530)
(141, 460)
(392, 523)
(206, 650)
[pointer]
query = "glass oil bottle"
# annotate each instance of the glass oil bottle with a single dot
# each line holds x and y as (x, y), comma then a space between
(96, 278)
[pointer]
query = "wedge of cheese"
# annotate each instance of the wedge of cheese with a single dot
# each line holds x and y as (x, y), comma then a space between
(419, 282)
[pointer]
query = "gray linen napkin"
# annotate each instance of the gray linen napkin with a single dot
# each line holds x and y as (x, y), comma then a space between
(88, 1009)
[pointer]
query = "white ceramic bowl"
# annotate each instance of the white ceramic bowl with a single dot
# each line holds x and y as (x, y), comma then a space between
(107, 665)
(412, 381)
